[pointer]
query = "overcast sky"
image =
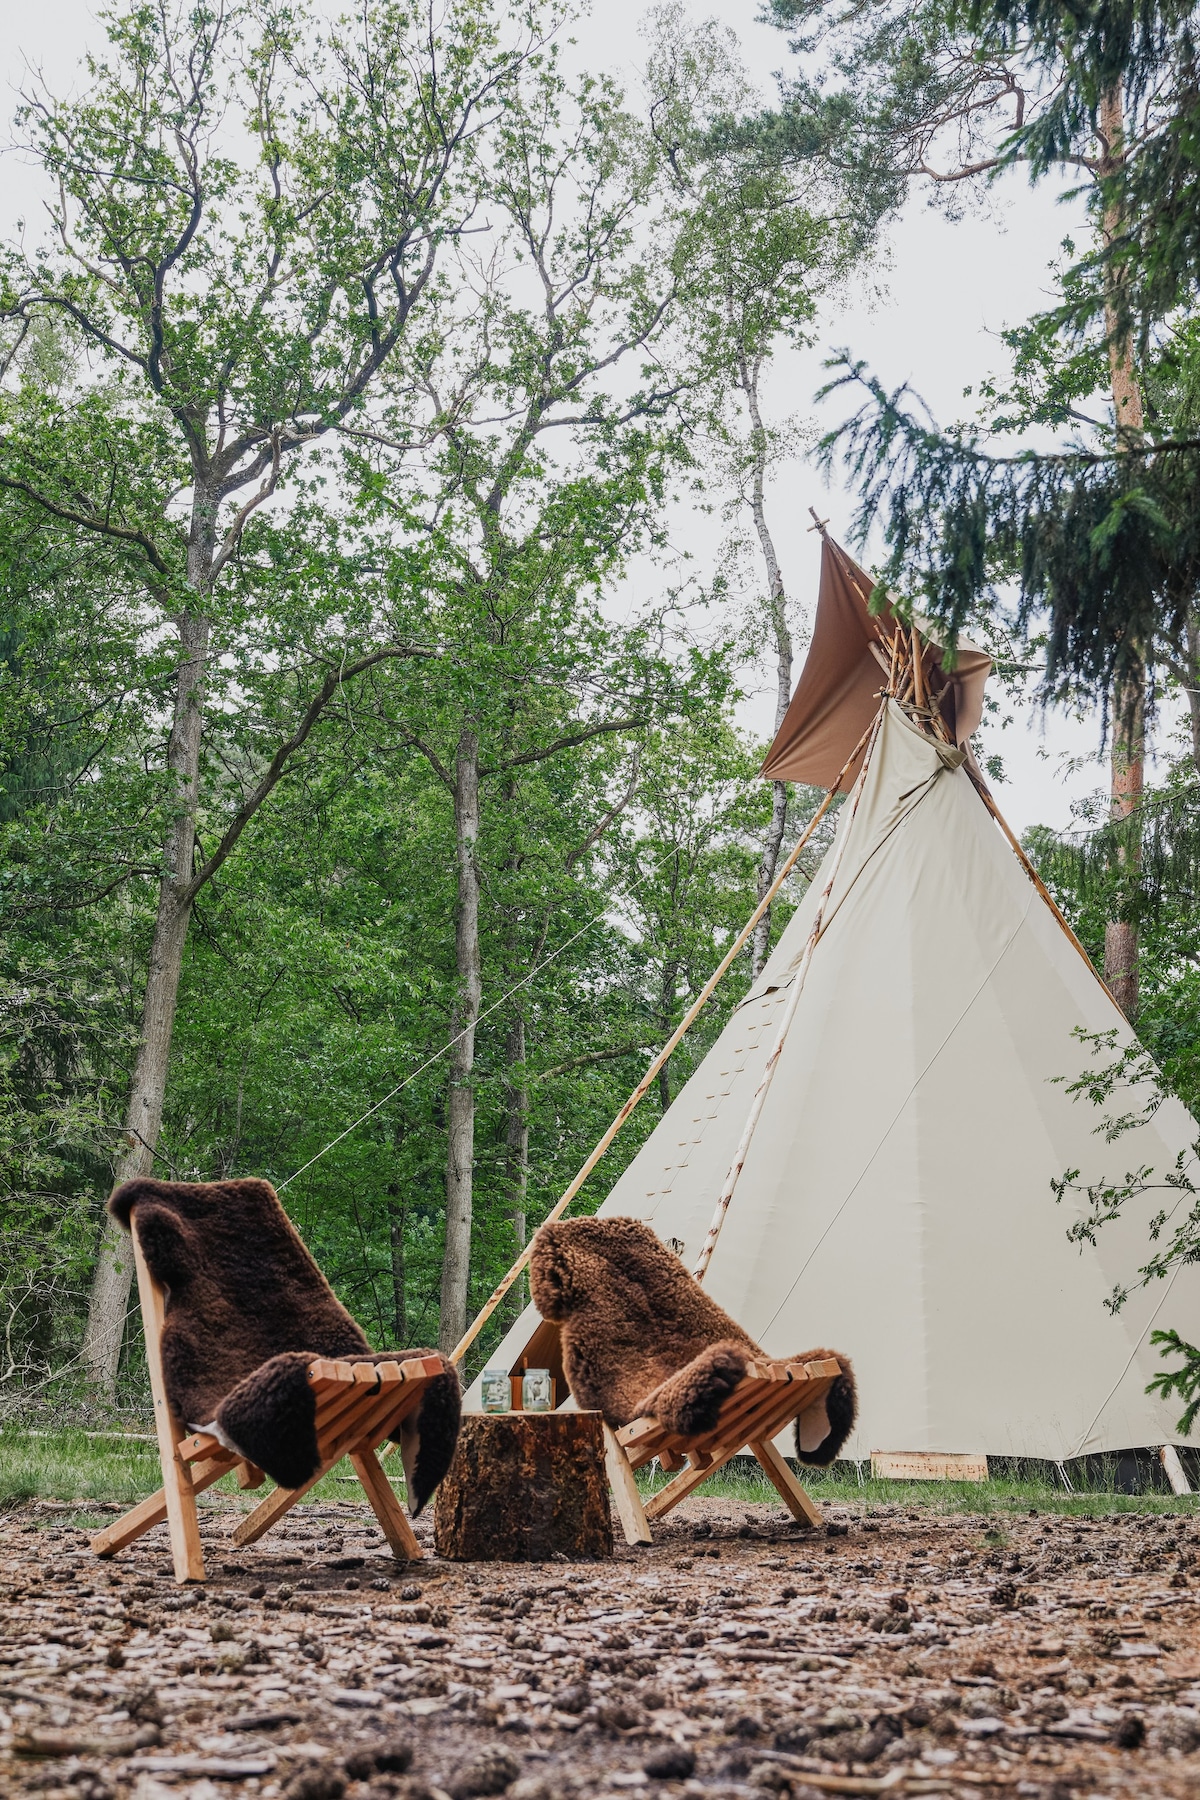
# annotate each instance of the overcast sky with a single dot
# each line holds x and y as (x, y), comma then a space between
(950, 289)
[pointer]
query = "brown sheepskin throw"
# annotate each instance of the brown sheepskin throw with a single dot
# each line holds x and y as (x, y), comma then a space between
(641, 1338)
(247, 1310)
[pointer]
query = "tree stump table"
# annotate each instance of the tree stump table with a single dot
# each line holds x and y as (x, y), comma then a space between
(524, 1487)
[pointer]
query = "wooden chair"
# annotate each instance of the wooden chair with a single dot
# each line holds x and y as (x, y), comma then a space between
(770, 1397)
(358, 1406)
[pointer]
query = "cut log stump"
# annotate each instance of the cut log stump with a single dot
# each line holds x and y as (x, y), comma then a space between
(524, 1487)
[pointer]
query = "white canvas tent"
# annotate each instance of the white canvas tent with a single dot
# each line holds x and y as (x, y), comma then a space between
(895, 1201)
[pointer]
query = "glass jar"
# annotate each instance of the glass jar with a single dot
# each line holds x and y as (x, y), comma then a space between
(537, 1391)
(494, 1390)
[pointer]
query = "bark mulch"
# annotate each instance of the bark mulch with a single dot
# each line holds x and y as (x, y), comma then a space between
(893, 1652)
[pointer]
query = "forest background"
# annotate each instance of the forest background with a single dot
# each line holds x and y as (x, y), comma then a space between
(369, 745)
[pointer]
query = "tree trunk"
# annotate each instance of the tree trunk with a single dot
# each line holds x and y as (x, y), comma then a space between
(1192, 685)
(460, 1123)
(516, 1148)
(397, 1217)
(525, 1487)
(1127, 769)
(1128, 773)
(670, 977)
(399, 1275)
(769, 862)
(109, 1301)
(777, 612)
(397, 1221)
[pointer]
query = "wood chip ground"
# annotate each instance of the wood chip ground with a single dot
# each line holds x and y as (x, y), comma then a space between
(898, 1651)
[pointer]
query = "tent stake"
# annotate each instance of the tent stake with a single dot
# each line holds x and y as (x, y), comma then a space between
(785, 1023)
(473, 1330)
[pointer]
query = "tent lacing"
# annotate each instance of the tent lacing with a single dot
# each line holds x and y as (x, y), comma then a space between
(789, 1013)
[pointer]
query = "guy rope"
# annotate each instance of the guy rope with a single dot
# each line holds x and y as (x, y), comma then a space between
(672, 1043)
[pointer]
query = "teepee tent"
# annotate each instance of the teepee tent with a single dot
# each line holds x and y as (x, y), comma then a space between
(893, 1196)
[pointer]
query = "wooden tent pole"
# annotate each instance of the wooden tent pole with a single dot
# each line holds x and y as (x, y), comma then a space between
(918, 664)
(560, 1207)
(789, 1013)
(981, 788)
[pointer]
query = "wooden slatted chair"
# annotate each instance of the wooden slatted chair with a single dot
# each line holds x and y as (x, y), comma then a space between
(633, 1336)
(770, 1397)
(358, 1404)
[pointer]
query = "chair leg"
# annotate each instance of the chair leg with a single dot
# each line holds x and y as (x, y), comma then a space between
(183, 1523)
(249, 1476)
(785, 1484)
(152, 1511)
(178, 1488)
(369, 1419)
(661, 1503)
(268, 1511)
(387, 1509)
(626, 1498)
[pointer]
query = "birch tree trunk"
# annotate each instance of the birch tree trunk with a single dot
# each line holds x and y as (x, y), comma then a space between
(777, 613)
(460, 1147)
(109, 1301)
(1128, 760)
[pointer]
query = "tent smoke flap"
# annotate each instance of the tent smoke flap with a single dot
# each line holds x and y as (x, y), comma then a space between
(838, 692)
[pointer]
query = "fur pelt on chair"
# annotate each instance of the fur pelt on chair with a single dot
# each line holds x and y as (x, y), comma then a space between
(641, 1338)
(247, 1310)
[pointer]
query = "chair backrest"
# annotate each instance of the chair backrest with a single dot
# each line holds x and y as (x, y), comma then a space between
(623, 1268)
(629, 1313)
(240, 1285)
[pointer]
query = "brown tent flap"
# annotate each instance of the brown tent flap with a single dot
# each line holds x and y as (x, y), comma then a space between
(837, 694)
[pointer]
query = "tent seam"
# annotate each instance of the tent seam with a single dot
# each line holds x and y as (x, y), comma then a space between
(926, 788)
(916, 1082)
(1138, 1344)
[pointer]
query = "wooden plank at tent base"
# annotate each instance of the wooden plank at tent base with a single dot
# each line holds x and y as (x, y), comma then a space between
(1175, 1472)
(927, 1465)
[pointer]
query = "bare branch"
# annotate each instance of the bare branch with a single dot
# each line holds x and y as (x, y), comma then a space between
(278, 764)
(614, 812)
(102, 526)
(592, 1056)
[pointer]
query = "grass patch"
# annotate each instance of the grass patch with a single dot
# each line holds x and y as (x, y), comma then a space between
(993, 1501)
(69, 1464)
